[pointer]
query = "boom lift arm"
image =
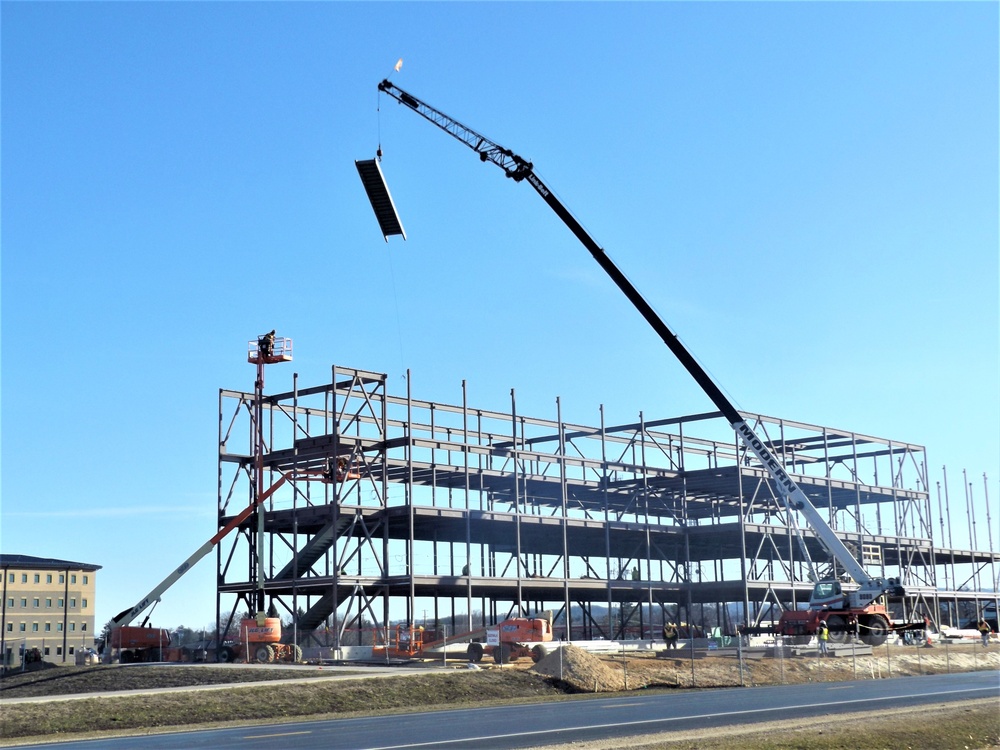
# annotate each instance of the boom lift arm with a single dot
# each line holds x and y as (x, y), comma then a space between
(520, 169)
(126, 616)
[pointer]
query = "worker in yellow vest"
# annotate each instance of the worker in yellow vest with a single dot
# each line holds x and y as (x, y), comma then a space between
(670, 634)
(823, 635)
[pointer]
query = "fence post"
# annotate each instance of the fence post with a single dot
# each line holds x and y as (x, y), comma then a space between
(691, 641)
(739, 656)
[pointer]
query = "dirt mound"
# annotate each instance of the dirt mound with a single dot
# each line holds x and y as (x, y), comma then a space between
(580, 670)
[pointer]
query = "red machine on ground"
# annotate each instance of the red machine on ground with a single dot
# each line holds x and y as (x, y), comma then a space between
(260, 641)
(137, 644)
(516, 636)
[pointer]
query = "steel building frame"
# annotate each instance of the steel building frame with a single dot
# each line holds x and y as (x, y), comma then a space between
(458, 510)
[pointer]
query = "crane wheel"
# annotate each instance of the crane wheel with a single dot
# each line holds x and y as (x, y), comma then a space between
(537, 654)
(227, 655)
(875, 631)
(264, 654)
(837, 626)
(126, 657)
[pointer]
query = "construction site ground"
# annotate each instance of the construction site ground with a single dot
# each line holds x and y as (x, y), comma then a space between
(176, 696)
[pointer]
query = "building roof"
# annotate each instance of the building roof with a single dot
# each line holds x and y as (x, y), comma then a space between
(43, 563)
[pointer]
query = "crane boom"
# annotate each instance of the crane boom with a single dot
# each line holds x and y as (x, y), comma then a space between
(791, 494)
(126, 616)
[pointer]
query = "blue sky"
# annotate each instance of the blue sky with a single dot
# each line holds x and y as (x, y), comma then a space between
(806, 192)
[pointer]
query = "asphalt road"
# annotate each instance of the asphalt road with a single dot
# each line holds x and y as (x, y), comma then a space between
(542, 724)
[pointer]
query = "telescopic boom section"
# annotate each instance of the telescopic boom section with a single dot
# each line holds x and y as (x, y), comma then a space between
(125, 617)
(519, 169)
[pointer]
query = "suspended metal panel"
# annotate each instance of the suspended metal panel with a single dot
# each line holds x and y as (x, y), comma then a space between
(378, 194)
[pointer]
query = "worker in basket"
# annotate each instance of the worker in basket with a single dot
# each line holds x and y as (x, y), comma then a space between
(265, 344)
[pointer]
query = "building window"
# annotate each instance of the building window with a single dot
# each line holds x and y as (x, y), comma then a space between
(62, 578)
(86, 580)
(48, 578)
(48, 603)
(35, 603)
(72, 603)
(71, 651)
(10, 627)
(38, 578)
(46, 650)
(11, 578)
(58, 650)
(84, 603)
(72, 578)
(10, 603)
(58, 627)
(21, 627)
(48, 627)
(61, 603)
(72, 626)
(24, 577)
(24, 603)
(83, 626)
(34, 627)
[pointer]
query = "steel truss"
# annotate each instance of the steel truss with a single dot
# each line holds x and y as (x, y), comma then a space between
(452, 515)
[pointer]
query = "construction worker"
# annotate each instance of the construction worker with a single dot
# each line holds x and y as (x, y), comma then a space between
(984, 630)
(823, 636)
(670, 635)
(266, 344)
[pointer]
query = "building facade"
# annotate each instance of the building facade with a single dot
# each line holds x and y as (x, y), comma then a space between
(48, 604)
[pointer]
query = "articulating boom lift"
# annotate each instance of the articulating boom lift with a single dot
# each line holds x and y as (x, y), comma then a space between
(841, 609)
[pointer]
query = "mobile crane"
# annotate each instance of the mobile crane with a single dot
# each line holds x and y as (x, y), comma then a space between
(864, 606)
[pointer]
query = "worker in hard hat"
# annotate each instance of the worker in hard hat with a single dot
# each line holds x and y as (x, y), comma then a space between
(670, 635)
(823, 636)
(266, 344)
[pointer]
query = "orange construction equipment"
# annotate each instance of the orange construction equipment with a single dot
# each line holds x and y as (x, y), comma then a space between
(515, 635)
(260, 641)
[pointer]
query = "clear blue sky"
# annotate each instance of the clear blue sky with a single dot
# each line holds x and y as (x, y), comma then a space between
(806, 192)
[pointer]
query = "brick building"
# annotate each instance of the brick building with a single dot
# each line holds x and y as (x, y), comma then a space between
(48, 604)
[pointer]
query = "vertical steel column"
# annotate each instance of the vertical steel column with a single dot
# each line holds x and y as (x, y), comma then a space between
(994, 580)
(410, 559)
(295, 511)
(649, 540)
(218, 548)
(468, 506)
(743, 530)
(517, 497)
(330, 428)
(564, 508)
(607, 520)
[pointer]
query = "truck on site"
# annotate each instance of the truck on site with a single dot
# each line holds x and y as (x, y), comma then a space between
(516, 638)
(861, 605)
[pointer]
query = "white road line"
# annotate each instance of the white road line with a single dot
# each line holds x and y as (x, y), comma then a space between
(661, 721)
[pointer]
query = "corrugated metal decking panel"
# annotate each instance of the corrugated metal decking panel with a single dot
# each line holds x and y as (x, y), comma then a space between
(381, 200)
